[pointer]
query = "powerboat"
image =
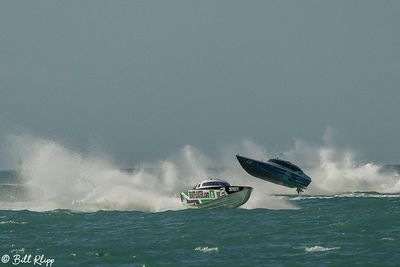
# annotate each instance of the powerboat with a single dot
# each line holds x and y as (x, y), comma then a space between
(216, 193)
(276, 171)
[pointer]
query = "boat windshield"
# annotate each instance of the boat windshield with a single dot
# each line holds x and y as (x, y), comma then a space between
(196, 186)
(214, 184)
(286, 164)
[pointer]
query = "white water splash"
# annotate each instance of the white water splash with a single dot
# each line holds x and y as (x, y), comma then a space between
(60, 178)
(335, 171)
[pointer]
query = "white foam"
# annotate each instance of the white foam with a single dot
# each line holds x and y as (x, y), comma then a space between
(12, 222)
(206, 249)
(346, 195)
(319, 249)
(311, 197)
(18, 250)
(387, 239)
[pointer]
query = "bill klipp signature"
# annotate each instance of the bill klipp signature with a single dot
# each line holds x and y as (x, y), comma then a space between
(18, 259)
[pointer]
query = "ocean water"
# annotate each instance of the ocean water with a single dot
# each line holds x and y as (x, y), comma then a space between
(346, 230)
(64, 208)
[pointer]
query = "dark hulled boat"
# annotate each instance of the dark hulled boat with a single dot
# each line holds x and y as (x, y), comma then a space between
(276, 171)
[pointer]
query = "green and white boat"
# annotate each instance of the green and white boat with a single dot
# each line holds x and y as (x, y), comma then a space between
(215, 193)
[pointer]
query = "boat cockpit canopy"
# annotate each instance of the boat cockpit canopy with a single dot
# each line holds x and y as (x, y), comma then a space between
(211, 183)
(286, 164)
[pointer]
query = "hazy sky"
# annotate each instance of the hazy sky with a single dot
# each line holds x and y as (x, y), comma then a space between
(141, 79)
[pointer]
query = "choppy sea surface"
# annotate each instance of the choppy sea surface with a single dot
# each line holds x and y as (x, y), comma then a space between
(349, 229)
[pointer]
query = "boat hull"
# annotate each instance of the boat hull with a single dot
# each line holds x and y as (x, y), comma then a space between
(271, 173)
(234, 196)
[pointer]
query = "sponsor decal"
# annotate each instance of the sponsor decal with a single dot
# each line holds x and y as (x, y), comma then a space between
(222, 192)
(201, 194)
(211, 193)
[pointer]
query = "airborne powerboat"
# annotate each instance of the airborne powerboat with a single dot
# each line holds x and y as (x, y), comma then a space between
(216, 193)
(276, 171)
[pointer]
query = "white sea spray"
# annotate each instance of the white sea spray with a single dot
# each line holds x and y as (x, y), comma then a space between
(58, 177)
